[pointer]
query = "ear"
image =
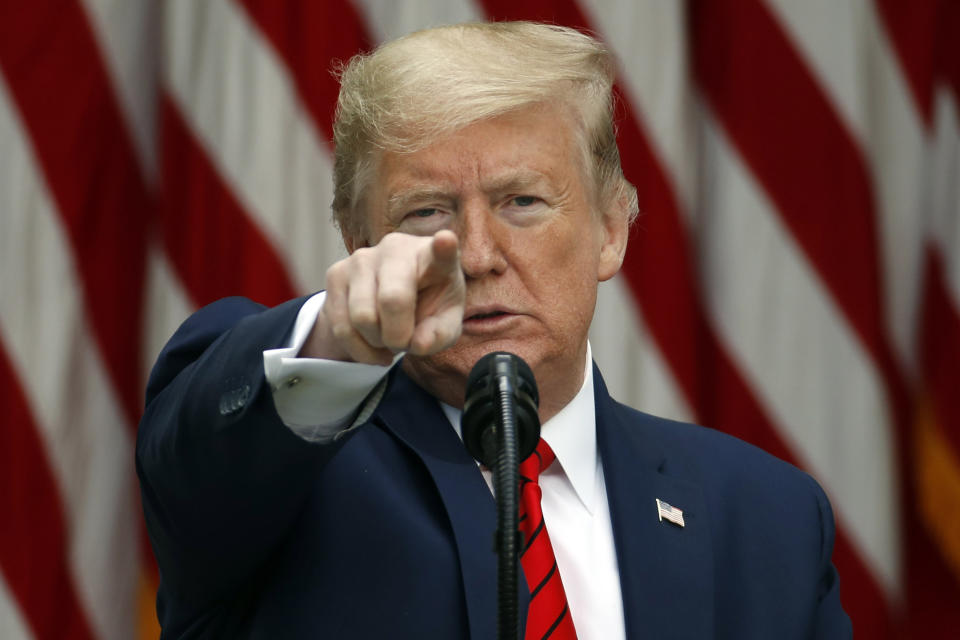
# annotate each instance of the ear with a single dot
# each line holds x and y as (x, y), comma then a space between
(615, 229)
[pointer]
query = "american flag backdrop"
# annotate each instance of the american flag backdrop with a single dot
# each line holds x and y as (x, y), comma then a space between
(794, 277)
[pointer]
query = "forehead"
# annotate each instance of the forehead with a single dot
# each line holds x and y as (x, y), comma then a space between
(531, 145)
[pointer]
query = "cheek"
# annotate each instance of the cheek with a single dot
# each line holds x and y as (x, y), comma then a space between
(568, 284)
(563, 244)
(573, 257)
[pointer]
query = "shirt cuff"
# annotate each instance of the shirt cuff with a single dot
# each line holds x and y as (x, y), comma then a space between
(317, 398)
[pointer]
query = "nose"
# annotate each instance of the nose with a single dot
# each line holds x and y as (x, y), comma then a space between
(481, 242)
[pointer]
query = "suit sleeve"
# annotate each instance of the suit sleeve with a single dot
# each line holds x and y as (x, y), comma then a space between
(222, 478)
(830, 620)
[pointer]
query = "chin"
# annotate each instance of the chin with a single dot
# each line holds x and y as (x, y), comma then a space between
(458, 361)
(444, 374)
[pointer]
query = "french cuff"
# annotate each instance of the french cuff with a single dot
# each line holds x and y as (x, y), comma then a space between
(319, 399)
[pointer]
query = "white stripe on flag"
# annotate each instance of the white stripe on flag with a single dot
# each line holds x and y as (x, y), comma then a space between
(649, 37)
(128, 33)
(944, 219)
(229, 84)
(846, 48)
(389, 20)
(43, 326)
(167, 305)
(799, 355)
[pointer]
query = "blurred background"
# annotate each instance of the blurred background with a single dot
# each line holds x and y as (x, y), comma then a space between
(794, 277)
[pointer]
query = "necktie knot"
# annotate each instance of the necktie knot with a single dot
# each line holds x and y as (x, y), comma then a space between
(537, 462)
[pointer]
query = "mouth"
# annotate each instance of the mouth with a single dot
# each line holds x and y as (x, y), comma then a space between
(484, 320)
(486, 315)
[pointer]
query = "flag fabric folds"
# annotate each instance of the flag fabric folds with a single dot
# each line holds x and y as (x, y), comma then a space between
(793, 277)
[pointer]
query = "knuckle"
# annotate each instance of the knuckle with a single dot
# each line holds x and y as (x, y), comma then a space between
(363, 316)
(335, 274)
(396, 299)
(363, 253)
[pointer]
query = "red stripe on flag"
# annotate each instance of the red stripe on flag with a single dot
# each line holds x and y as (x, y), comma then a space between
(940, 349)
(926, 39)
(59, 84)
(933, 587)
(310, 36)
(947, 46)
(932, 590)
(211, 241)
(33, 544)
(788, 133)
(659, 271)
(911, 27)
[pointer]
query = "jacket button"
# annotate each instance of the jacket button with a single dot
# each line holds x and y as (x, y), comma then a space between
(234, 400)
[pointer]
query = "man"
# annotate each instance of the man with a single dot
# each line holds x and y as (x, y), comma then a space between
(296, 485)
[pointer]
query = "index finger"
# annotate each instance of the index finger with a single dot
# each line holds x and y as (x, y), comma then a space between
(443, 256)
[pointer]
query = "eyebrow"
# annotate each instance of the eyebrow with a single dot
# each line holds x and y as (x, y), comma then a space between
(404, 199)
(515, 180)
(512, 180)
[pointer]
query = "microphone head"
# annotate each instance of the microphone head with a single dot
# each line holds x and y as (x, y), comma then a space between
(481, 406)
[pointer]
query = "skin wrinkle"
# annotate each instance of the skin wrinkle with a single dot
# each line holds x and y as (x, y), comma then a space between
(602, 196)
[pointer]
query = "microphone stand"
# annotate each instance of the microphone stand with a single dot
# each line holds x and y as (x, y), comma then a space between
(500, 424)
(505, 482)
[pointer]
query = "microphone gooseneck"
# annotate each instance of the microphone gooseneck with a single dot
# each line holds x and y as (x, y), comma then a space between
(500, 427)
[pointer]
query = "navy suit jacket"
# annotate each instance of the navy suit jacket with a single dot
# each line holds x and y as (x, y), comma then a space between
(387, 533)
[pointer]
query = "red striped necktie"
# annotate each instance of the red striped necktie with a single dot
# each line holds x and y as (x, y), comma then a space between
(548, 615)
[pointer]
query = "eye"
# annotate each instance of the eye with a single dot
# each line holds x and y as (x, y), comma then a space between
(424, 221)
(524, 210)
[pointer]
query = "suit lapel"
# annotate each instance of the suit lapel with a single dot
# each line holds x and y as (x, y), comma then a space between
(415, 417)
(666, 572)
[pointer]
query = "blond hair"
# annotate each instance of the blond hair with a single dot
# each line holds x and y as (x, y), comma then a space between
(412, 91)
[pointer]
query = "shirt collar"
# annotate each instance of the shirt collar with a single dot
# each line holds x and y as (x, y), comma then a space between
(571, 433)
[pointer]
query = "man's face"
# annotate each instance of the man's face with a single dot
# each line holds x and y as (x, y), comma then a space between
(533, 247)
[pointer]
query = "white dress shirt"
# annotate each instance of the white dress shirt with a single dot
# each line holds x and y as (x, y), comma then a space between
(321, 399)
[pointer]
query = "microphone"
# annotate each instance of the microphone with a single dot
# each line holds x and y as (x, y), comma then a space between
(499, 378)
(500, 427)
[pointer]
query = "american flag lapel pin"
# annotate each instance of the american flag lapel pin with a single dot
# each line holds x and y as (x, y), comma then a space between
(670, 513)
